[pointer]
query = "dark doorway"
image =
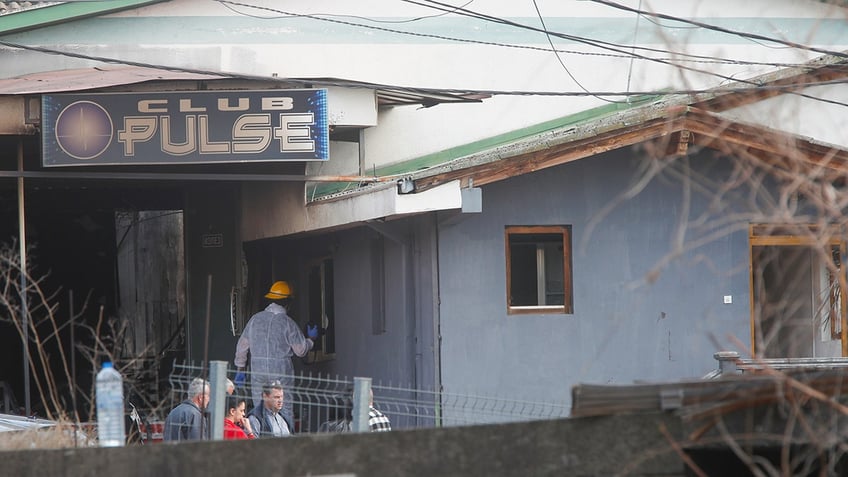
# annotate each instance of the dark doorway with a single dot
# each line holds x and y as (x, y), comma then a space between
(72, 238)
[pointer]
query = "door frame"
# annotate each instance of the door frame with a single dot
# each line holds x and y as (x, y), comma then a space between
(788, 235)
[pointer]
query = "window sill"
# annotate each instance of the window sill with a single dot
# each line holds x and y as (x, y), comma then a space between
(320, 357)
(539, 310)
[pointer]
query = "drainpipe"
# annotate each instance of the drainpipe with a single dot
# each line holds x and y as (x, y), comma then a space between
(437, 321)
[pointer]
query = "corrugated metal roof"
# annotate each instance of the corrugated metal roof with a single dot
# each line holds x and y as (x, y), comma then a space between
(92, 78)
(117, 75)
(16, 17)
(14, 7)
(581, 133)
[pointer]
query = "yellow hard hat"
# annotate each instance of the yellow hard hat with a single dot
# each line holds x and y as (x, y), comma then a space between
(279, 290)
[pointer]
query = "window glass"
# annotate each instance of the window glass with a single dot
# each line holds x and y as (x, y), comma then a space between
(539, 269)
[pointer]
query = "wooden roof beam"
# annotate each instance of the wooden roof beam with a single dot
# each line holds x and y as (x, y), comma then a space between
(556, 155)
(710, 130)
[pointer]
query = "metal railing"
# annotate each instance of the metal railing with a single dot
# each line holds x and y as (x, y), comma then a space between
(730, 363)
(320, 401)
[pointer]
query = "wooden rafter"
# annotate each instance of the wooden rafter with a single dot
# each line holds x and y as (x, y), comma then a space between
(556, 155)
(678, 128)
(802, 79)
(710, 129)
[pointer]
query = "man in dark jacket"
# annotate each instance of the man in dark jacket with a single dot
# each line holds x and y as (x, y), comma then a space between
(186, 422)
(266, 419)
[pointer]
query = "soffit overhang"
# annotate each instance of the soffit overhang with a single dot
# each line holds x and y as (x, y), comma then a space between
(107, 76)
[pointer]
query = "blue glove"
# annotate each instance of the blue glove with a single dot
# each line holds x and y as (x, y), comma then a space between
(239, 380)
(312, 332)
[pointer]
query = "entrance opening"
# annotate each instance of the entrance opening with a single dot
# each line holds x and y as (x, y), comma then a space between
(107, 259)
(797, 286)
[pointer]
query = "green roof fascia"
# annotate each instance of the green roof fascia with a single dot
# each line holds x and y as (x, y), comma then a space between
(319, 190)
(64, 12)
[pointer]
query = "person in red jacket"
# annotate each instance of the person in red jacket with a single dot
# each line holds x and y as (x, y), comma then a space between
(236, 425)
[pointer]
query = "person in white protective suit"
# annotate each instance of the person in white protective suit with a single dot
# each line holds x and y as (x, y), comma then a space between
(271, 337)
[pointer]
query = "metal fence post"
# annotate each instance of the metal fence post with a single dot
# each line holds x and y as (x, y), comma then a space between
(217, 398)
(361, 403)
(727, 362)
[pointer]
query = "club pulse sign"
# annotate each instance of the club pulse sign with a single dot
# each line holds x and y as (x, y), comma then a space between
(183, 128)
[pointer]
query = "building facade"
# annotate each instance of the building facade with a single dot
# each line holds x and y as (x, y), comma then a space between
(466, 149)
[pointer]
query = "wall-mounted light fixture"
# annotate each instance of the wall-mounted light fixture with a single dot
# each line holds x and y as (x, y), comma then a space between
(406, 186)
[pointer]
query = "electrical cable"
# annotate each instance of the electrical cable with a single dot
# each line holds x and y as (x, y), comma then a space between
(591, 42)
(116, 61)
(681, 56)
(559, 59)
(599, 44)
(374, 20)
(311, 16)
(635, 37)
(663, 25)
(414, 90)
(708, 26)
(495, 19)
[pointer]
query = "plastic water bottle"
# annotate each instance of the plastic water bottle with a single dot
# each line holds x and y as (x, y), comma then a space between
(109, 391)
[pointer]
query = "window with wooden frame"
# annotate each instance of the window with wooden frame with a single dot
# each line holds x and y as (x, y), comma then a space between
(827, 295)
(797, 290)
(538, 269)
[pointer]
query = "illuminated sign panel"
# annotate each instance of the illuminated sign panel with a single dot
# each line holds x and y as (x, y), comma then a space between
(184, 128)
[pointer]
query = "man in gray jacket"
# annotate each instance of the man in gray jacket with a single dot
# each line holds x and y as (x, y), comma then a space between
(186, 422)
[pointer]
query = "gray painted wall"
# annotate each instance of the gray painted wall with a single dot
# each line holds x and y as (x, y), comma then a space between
(643, 310)
(404, 354)
(624, 327)
(358, 350)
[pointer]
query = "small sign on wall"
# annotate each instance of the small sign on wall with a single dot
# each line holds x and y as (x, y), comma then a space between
(212, 240)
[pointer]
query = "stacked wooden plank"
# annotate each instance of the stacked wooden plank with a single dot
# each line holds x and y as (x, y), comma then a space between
(698, 398)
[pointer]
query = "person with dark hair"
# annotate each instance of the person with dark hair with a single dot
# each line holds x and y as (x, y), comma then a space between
(266, 419)
(236, 425)
(341, 412)
(342, 421)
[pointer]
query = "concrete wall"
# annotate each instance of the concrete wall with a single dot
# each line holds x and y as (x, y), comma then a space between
(577, 447)
(629, 323)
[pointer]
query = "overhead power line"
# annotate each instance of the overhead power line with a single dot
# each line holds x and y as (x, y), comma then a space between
(788, 88)
(374, 20)
(707, 26)
(559, 59)
(678, 56)
(596, 43)
(592, 42)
